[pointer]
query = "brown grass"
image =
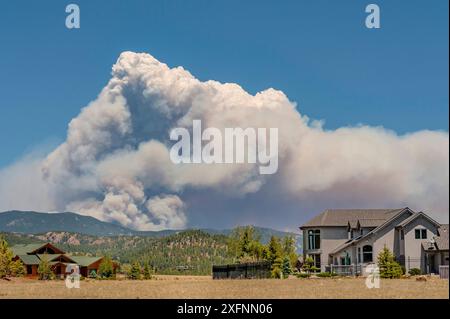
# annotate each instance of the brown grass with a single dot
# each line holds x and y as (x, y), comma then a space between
(204, 287)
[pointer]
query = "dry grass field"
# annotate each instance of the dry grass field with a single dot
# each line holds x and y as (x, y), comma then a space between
(204, 287)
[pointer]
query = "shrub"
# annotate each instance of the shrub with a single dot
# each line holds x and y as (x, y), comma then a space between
(308, 264)
(303, 275)
(414, 272)
(326, 274)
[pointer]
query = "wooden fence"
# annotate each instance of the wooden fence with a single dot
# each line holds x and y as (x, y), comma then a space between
(242, 271)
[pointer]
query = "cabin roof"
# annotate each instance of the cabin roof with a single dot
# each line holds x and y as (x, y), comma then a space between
(29, 259)
(85, 261)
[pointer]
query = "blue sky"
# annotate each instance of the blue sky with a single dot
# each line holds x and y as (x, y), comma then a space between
(318, 52)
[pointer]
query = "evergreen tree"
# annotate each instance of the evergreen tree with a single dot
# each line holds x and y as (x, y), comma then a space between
(93, 274)
(8, 267)
(389, 268)
(106, 268)
(286, 268)
(244, 244)
(274, 250)
(289, 250)
(275, 257)
(277, 268)
(308, 264)
(44, 269)
(135, 271)
(147, 272)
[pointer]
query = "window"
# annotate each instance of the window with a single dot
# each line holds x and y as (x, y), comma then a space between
(313, 239)
(367, 254)
(359, 255)
(424, 234)
(420, 233)
(316, 258)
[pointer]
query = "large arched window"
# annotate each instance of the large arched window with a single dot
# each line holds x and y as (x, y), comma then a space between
(367, 254)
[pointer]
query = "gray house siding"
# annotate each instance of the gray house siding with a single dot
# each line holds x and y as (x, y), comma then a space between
(415, 256)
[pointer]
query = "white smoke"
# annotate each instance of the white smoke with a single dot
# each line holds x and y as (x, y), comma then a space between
(115, 166)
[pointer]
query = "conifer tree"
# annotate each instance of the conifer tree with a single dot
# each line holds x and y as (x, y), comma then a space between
(44, 269)
(147, 272)
(389, 268)
(286, 267)
(106, 268)
(135, 271)
(8, 267)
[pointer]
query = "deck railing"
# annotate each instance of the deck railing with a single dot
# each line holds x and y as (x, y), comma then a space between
(345, 270)
(443, 272)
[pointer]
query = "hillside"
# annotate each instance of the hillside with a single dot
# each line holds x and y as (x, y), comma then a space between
(170, 251)
(188, 252)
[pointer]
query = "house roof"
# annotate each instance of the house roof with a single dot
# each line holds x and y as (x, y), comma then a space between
(29, 259)
(416, 215)
(23, 249)
(85, 261)
(441, 241)
(344, 217)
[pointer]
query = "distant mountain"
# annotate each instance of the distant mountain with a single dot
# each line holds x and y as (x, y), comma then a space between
(29, 222)
(34, 223)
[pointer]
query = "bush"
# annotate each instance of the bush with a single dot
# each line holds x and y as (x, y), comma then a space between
(326, 274)
(415, 272)
(303, 275)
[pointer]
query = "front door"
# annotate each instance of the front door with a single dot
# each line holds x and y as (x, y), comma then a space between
(431, 264)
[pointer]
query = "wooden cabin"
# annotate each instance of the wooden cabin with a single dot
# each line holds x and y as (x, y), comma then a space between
(31, 256)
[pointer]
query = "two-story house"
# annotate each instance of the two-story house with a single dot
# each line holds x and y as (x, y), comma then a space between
(356, 237)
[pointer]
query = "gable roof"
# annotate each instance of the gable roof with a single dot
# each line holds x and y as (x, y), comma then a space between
(85, 261)
(29, 259)
(23, 249)
(394, 215)
(344, 217)
(416, 215)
